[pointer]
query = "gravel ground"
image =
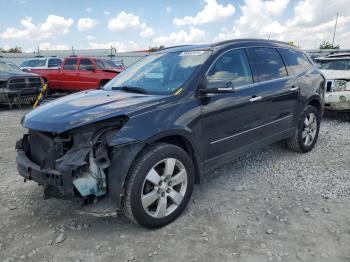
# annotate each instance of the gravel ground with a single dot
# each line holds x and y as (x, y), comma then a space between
(270, 205)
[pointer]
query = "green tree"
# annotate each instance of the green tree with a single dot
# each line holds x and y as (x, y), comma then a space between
(328, 45)
(15, 49)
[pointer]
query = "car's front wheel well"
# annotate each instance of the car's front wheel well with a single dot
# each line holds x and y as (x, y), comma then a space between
(182, 142)
(316, 104)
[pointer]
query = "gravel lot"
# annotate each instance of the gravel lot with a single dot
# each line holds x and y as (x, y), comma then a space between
(270, 205)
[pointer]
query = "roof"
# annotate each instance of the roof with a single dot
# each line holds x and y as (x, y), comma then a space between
(219, 45)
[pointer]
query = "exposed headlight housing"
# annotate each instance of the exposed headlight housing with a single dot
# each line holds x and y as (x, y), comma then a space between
(339, 85)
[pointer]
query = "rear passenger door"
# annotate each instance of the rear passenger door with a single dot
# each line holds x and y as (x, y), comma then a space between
(278, 90)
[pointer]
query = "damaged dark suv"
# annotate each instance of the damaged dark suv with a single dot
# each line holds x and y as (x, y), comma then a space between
(141, 143)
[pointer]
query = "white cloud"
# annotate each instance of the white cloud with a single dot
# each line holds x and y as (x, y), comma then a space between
(194, 35)
(86, 23)
(50, 46)
(168, 9)
(53, 25)
(307, 27)
(212, 12)
(90, 37)
(88, 9)
(119, 46)
(106, 13)
(125, 21)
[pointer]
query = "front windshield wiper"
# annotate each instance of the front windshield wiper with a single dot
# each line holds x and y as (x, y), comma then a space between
(132, 89)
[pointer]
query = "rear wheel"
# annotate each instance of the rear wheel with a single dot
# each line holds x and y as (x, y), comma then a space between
(306, 134)
(159, 185)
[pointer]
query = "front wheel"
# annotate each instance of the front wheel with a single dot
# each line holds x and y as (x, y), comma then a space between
(306, 134)
(159, 185)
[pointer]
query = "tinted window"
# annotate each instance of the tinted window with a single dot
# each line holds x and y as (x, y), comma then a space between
(232, 66)
(296, 61)
(85, 64)
(268, 63)
(54, 62)
(70, 64)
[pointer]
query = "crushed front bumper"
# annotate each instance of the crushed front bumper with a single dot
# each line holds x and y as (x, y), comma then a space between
(55, 184)
(337, 101)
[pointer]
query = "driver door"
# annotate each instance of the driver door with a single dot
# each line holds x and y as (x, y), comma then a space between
(231, 121)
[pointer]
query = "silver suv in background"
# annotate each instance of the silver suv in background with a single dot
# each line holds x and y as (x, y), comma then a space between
(336, 69)
(41, 63)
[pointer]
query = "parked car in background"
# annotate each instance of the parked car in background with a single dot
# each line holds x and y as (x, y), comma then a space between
(78, 73)
(336, 69)
(41, 63)
(139, 144)
(17, 86)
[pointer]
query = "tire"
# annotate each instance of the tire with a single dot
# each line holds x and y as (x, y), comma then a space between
(147, 177)
(301, 141)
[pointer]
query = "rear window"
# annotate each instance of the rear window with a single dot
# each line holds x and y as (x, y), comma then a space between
(296, 61)
(268, 63)
(70, 64)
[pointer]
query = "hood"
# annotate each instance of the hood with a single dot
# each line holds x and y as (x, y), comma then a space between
(336, 74)
(87, 107)
(9, 74)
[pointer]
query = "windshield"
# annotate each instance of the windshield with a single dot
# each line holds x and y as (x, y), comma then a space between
(34, 63)
(161, 73)
(343, 64)
(105, 64)
(4, 67)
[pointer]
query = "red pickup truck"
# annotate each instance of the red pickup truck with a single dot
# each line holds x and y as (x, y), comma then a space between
(79, 73)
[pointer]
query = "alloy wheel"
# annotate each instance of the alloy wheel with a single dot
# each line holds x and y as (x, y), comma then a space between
(164, 188)
(310, 129)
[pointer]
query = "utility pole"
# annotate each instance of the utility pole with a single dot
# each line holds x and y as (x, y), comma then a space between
(335, 27)
(149, 47)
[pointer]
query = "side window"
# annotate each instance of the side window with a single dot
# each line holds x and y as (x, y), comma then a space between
(70, 64)
(54, 62)
(232, 66)
(296, 61)
(268, 63)
(85, 64)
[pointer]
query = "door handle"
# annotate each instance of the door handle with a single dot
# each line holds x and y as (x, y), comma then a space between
(255, 99)
(294, 88)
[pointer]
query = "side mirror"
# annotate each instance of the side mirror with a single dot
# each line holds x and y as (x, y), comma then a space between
(217, 86)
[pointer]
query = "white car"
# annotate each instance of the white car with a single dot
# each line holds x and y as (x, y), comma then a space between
(41, 63)
(336, 69)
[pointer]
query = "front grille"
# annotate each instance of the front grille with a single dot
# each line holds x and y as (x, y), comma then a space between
(24, 82)
(44, 149)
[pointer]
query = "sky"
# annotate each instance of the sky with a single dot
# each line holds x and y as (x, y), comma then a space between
(135, 24)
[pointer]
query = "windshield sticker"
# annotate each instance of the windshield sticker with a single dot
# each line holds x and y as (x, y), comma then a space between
(191, 53)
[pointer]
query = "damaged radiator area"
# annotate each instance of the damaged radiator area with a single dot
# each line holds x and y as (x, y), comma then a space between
(75, 162)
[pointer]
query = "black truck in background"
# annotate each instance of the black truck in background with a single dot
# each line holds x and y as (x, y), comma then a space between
(17, 86)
